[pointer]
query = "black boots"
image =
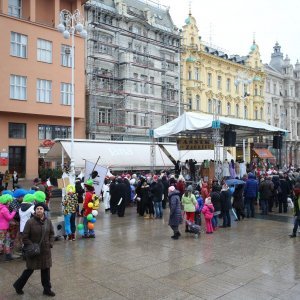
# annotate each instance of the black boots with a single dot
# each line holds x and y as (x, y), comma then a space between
(293, 235)
(176, 235)
(49, 293)
(18, 291)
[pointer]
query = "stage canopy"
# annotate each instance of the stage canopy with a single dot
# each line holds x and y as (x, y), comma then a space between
(118, 155)
(190, 123)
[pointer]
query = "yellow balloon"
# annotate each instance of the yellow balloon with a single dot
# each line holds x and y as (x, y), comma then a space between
(90, 205)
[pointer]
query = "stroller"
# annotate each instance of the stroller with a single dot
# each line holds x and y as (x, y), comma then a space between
(193, 228)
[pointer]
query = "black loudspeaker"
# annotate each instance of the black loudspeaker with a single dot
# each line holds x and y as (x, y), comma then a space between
(277, 141)
(229, 139)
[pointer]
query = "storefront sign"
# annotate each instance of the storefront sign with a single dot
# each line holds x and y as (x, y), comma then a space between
(3, 161)
(194, 144)
(4, 154)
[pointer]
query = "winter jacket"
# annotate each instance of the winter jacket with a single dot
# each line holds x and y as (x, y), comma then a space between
(79, 191)
(266, 189)
(237, 195)
(5, 217)
(285, 190)
(204, 191)
(208, 211)
(189, 202)
(25, 212)
(200, 204)
(180, 186)
(70, 204)
(32, 234)
(88, 198)
(251, 187)
(296, 201)
(225, 200)
(175, 211)
(216, 200)
(157, 189)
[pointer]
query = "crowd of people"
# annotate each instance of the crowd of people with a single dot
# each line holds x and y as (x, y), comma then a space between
(24, 217)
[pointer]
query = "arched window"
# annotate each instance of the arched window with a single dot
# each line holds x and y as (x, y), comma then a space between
(219, 107)
(237, 112)
(198, 104)
(228, 109)
(261, 113)
(209, 106)
(245, 112)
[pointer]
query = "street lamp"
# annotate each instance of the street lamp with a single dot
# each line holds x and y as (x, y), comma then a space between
(243, 78)
(68, 26)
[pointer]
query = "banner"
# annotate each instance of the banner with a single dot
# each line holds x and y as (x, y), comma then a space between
(194, 144)
(96, 173)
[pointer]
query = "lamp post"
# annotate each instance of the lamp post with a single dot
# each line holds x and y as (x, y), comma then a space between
(243, 78)
(69, 25)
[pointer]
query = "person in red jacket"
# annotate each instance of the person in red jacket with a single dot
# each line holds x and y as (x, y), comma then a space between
(90, 191)
(180, 185)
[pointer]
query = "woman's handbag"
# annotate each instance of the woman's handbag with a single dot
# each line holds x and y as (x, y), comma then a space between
(34, 249)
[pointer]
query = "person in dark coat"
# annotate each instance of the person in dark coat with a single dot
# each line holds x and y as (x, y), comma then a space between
(265, 194)
(216, 202)
(276, 182)
(296, 200)
(113, 196)
(146, 202)
(79, 191)
(192, 165)
(238, 201)
(283, 193)
(156, 190)
(225, 198)
(175, 218)
(122, 196)
(177, 168)
(250, 194)
(165, 183)
(32, 233)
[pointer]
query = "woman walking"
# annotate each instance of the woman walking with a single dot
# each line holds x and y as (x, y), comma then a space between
(35, 229)
(238, 201)
(175, 211)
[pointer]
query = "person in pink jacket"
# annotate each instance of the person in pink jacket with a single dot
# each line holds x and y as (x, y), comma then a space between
(208, 213)
(5, 217)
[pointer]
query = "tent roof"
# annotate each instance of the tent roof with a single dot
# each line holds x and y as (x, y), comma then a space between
(119, 155)
(191, 123)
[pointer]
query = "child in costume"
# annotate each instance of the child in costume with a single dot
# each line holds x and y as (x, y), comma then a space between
(26, 210)
(70, 204)
(5, 217)
(208, 213)
(90, 191)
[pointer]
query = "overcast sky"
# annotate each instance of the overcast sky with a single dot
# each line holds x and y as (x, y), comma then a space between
(230, 24)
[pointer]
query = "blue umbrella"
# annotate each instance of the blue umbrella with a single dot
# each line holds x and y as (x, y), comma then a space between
(234, 181)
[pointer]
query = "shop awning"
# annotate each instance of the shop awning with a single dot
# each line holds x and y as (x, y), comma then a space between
(263, 153)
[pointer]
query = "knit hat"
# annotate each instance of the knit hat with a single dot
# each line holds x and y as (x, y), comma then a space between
(40, 196)
(29, 198)
(155, 177)
(70, 188)
(171, 189)
(208, 200)
(190, 188)
(89, 182)
(42, 204)
(4, 199)
(19, 193)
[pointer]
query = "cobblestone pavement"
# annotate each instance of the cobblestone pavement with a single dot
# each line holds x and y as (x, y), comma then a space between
(133, 258)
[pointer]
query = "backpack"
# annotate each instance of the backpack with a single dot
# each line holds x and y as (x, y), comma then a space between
(96, 201)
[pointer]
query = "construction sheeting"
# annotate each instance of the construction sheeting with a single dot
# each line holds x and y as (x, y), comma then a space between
(194, 122)
(123, 155)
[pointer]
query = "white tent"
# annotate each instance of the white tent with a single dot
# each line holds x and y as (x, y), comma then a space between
(118, 155)
(190, 122)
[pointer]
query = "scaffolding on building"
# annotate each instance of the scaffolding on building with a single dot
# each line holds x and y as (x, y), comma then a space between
(121, 106)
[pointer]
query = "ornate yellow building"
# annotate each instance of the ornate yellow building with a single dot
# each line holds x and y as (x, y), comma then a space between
(211, 80)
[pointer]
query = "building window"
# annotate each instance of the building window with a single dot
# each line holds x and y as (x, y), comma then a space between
(18, 87)
(274, 89)
(260, 91)
(198, 104)
(228, 109)
(189, 75)
(135, 83)
(151, 86)
(209, 106)
(18, 45)
(44, 51)
(209, 79)
(219, 108)
(261, 113)
(15, 8)
(228, 85)
(219, 83)
(245, 112)
(256, 114)
(135, 122)
(17, 131)
(237, 110)
(237, 88)
(269, 108)
(245, 90)
(190, 104)
(197, 74)
(66, 56)
(268, 87)
(44, 90)
(51, 132)
(104, 115)
(65, 93)
(144, 121)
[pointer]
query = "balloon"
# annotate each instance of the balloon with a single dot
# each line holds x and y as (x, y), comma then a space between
(90, 226)
(80, 226)
(89, 217)
(90, 204)
(95, 213)
(81, 232)
(93, 220)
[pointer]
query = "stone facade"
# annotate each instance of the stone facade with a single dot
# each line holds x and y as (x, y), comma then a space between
(282, 103)
(132, 69)
(236, 83)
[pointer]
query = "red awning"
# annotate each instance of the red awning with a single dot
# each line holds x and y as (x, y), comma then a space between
(263, 153)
